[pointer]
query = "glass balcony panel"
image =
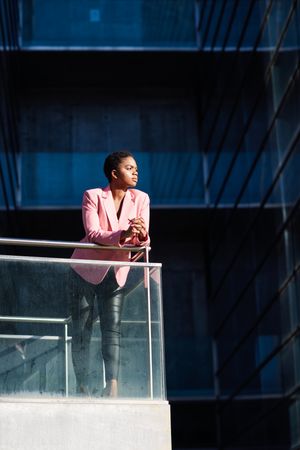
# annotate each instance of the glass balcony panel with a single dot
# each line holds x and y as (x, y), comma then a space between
(37, 330)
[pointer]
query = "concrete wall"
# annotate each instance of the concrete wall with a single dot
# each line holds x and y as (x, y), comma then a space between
(84, 424)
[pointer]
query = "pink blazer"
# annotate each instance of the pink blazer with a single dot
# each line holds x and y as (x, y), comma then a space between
(103, 227)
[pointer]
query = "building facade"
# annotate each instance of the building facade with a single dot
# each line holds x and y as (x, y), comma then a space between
(206, 94)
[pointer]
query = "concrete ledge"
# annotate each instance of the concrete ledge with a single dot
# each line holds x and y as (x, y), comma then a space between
(79, 424)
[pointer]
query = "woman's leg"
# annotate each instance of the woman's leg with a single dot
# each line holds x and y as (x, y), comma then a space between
(110, 310)
(82, 309)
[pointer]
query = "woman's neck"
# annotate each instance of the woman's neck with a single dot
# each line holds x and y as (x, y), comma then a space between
(117, 192)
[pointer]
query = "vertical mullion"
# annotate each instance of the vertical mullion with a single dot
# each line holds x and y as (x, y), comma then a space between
(229, 120)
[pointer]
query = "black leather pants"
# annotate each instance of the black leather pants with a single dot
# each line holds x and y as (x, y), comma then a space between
(106, 299)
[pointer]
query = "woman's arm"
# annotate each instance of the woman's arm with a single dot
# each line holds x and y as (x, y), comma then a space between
(141, 223)
(138, 231)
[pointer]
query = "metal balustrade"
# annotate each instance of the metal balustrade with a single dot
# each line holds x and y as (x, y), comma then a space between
(145, 271)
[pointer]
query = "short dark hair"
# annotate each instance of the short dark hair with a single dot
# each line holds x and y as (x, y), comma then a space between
(112, 162)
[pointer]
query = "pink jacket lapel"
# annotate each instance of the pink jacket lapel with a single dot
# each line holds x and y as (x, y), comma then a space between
(109, 206)
(127, 211)
(110, 209)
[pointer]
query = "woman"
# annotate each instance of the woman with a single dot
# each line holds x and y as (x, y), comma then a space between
(117, 215)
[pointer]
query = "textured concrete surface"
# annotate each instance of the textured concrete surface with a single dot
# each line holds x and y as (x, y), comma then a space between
(83, 424)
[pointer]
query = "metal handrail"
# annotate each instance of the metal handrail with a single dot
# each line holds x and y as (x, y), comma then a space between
(66, 244)
(61, 321)
(35, 319)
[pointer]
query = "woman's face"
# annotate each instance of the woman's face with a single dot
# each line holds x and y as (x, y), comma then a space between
(127, 173)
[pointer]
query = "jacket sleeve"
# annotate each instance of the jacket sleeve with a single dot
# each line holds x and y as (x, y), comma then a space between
(91, 223)
(144, 212)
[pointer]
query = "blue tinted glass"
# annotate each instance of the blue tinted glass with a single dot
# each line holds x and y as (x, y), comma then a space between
(109, 23)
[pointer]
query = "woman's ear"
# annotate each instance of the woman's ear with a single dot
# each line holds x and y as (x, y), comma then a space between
(114, 174)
